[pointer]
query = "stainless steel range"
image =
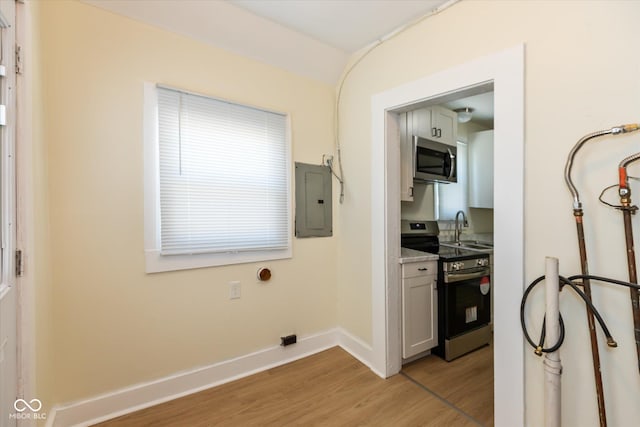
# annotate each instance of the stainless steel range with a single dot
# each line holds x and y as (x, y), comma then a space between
(464, 290)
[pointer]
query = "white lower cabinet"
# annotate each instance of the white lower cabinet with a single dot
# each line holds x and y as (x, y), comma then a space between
(419, 307)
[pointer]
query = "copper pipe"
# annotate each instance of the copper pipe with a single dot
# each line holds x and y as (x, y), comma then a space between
(595, 353)
(627, 210)
(578, 214)
(633, 278)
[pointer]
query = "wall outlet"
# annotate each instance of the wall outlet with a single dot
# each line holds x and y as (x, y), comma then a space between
(234, 290)
(288, 340)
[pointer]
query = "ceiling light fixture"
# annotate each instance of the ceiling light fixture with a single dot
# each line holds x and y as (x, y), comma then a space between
(464, 114)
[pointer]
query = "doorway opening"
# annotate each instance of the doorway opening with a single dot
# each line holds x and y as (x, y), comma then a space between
(504, 72)
(446, 328)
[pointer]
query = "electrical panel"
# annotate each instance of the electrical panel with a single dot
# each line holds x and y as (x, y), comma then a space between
(313, 201)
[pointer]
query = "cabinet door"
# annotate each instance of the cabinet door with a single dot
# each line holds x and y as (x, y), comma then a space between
(420, 123)
(446, 124)
(419, 315)
(481, 169)
(406, 160)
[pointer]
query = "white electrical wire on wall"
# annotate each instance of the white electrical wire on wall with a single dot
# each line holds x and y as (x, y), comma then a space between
(367, 51)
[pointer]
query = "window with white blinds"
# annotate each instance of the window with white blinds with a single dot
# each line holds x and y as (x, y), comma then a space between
(223, 179)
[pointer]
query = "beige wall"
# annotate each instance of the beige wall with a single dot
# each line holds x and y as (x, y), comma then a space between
(580, 78)
(33, 206)
(114, 325)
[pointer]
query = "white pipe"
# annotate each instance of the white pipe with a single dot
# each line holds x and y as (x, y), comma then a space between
(552, 366)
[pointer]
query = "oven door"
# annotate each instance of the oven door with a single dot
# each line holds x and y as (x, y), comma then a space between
(466, 305)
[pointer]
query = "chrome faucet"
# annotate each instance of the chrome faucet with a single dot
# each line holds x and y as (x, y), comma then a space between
(458, 227)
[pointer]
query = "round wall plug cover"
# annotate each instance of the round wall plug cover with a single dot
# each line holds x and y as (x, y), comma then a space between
(264, 274)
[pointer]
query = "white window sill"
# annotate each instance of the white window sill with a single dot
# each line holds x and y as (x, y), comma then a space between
(157, 263)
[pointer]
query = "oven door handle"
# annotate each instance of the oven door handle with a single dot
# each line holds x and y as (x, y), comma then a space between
(475, 273)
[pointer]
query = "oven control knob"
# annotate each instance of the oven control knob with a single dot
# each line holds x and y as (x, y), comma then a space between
(483, 262)
(456, 266)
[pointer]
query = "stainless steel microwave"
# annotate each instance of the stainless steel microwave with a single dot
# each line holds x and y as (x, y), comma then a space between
(433, 161)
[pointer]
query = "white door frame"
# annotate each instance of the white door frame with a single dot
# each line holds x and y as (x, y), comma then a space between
(9, 291)
(25, 212)
(506, 71)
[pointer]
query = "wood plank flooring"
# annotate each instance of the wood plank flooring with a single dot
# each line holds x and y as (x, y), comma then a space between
(466, 382)
(330, 388)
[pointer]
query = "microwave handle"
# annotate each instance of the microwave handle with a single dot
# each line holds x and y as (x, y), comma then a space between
(453, 163)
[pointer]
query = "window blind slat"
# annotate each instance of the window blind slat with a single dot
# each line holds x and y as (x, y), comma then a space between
(223, 176)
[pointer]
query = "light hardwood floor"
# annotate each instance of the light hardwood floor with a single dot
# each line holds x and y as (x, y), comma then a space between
(330, 388)
(466, 382)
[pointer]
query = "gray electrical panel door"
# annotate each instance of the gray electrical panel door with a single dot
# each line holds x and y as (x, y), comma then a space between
(313, 201)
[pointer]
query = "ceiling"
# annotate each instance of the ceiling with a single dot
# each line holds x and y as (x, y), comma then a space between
(348, 25)
(313, 38)
(481, 104)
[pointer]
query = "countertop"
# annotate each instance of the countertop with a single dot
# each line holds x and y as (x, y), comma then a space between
(411, 255)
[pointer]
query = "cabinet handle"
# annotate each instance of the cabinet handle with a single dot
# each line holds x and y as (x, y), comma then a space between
(434, 131)
(423, 269)
(439, 133)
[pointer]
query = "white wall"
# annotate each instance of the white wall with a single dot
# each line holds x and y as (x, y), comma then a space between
(579, 78)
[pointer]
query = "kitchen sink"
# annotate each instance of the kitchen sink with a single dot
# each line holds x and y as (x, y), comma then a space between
(470, 244)
(476, 242)
(475, 246)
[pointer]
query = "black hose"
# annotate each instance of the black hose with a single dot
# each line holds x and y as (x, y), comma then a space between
(610, 341)
(539, 349)
(604, 279)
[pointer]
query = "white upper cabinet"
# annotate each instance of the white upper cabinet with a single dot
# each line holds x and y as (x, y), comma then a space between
(481, 169)
(435, 123)
(406, 160)
(444, 125)
(419, 123)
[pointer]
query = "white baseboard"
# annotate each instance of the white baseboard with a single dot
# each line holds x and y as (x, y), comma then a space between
(356, 347)
(140, 396)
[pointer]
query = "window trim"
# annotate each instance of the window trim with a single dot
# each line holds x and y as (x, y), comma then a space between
(156, 262)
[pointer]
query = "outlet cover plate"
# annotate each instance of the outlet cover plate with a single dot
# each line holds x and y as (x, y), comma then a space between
(234, 290)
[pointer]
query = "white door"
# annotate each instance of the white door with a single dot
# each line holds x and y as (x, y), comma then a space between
(8, 296)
